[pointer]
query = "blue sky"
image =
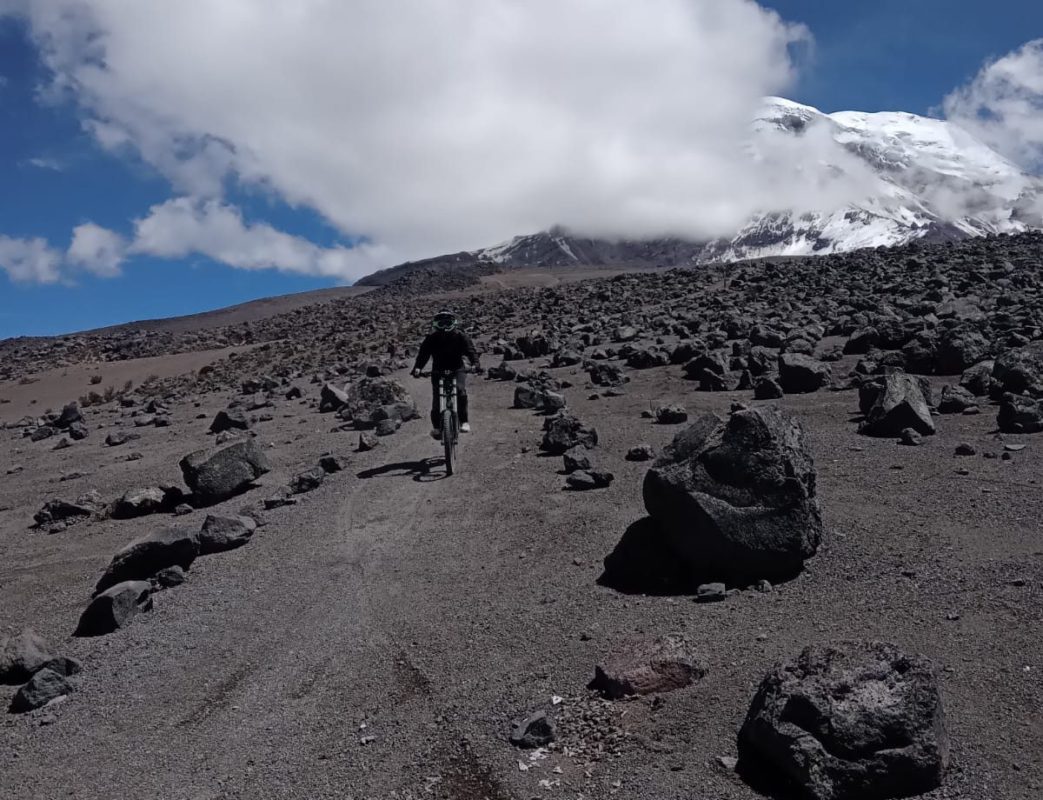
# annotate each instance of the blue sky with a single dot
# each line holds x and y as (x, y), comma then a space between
(58, 172)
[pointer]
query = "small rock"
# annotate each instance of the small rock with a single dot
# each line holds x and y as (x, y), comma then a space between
(711, 592)
(367, 441)
(168, 578)
(641, 452)
(965, 449)
(532, 732)
(911, 438)
(671, 415)
(114, 608)
(45, 686)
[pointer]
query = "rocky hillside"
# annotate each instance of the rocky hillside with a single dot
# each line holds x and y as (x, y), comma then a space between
(753, 529)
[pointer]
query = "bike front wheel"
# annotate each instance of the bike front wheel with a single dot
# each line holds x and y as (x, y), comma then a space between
(449, 441)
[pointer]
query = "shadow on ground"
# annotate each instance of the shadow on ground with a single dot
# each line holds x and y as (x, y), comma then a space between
(419, 471)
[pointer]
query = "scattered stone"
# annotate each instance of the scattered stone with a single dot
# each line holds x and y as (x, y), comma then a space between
(21, 656)
(900, 404)
(114, 608)
(61, 511)
(150, 500)
(910, 438)
(229, 421)
(1019, 414)
(584, 480)
(225, 533)
(144, 557)
(766, 388)
(664, 665)
(332, 399)
(574, 461)
(168, 578)
(563, 432)
(307, 481)
(670, 415)
(711, 592)
(332, 463)
(641, 452)
(44, 687)
(800, 373)
(367, 441)
(216, 477)
(532, 732)
(855, 719)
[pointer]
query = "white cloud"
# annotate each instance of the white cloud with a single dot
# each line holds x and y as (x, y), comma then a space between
(43, 162)
(30, 260)
(182, 227)
(1003, 105)
(96, 249)
(434, 125)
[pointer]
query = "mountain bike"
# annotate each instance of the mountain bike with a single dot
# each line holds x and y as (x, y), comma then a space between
(450, 421)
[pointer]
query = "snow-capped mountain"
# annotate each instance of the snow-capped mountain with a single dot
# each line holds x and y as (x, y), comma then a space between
(869, 180)
(902, 177)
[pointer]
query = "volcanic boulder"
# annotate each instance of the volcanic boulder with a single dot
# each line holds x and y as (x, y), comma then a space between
(21, 656)
(898, 405)
(851, 720)
(563, 432)
(331, 398)
(144, 557)
(736, 498)
(224, 533)
(1019, 414)
(45, 686)
(225, 473)
(800, 373)
(1019, 372)
(228, 421)
(114, 608)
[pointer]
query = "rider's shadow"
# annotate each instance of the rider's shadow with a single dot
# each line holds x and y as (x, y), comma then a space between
(420, 471)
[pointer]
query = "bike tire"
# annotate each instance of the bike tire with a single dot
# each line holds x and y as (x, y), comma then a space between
(449, 441)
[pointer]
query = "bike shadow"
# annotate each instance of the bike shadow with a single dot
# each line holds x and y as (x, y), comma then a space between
(420, 471)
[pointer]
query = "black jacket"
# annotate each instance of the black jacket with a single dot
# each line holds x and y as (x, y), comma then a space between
(447, 350)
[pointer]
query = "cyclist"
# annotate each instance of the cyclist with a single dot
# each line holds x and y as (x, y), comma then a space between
(447, 346)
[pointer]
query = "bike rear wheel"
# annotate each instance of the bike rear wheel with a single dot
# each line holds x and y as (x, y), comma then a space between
(449, 441)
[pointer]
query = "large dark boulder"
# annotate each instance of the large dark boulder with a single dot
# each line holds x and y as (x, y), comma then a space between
(896, 405)
(978, 379)
(801, 374)
(736, 498)
(563, 432)
(1019, 414)
(227, 472)
(1019, 372)
(114, 608)
(852, 720)
(21, 656)
(331, 398)
(606, 375)
(144, 557)
(234, 420)
(959, 349)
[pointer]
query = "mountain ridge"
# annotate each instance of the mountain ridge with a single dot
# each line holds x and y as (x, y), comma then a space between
(912, 177)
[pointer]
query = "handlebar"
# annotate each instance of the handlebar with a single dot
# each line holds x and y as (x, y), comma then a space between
(472, 370)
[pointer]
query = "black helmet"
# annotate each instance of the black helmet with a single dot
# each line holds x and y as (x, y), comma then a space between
(444, 321)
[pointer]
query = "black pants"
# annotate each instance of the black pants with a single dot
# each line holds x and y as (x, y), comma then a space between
(461, 399)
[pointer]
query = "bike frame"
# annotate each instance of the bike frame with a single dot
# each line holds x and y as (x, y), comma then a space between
(447, 398)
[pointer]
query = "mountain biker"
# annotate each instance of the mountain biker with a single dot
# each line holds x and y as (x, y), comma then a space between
(447, 346)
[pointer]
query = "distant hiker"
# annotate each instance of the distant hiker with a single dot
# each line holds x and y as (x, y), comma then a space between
(447, 347)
